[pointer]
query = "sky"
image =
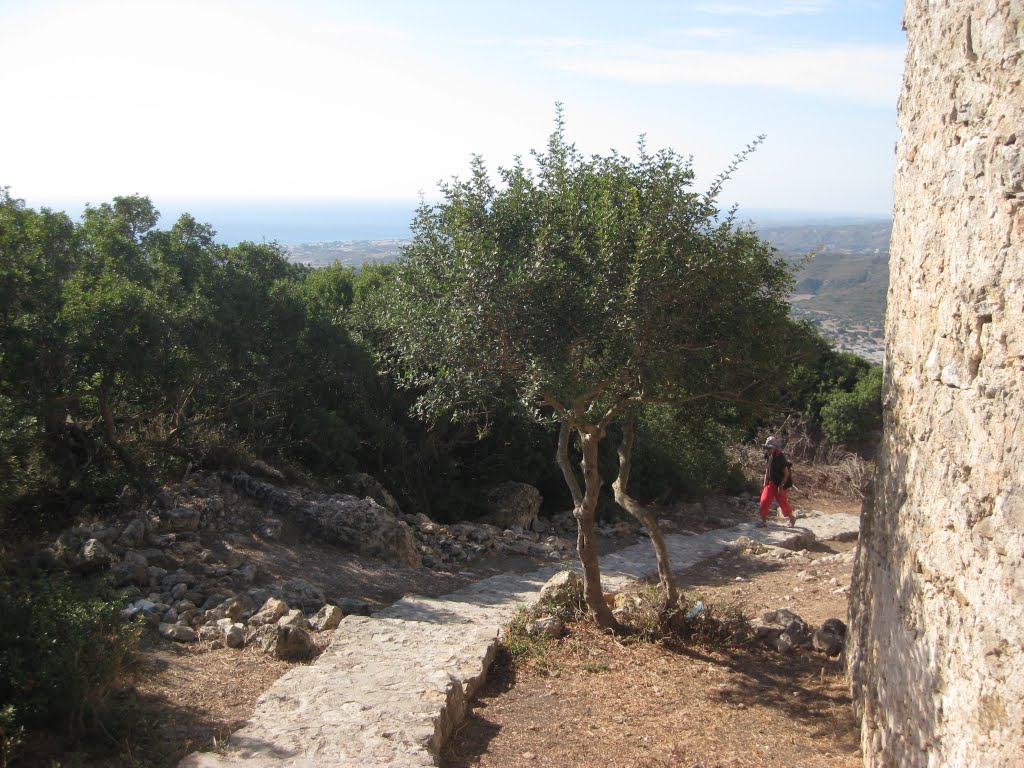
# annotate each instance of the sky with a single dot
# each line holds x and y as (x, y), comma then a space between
(306, 100)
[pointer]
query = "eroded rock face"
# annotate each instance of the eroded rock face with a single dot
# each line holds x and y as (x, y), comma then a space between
(360, 525)
(936, 623)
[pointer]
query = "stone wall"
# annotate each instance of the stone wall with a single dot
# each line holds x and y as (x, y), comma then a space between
(937, 608)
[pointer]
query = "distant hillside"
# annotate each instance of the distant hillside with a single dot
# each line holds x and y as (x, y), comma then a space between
(865, 237)
(842, 279)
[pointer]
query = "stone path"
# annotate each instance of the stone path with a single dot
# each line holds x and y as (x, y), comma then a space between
(391, 687)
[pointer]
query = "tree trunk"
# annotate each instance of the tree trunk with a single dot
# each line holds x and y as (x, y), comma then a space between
(640, 512)
(586, 540)
(137, 470)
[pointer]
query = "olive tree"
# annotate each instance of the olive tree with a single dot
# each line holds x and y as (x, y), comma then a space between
(591, 287)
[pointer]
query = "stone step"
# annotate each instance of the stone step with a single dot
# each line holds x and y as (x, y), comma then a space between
(391, 687)
(385, 692)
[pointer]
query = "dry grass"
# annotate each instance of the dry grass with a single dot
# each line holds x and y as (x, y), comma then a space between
(594, 699)
(821, 471)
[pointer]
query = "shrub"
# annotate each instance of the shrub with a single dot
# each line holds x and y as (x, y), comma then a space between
(11, 734)
(60, 651)
(854, 416)
(681, 452)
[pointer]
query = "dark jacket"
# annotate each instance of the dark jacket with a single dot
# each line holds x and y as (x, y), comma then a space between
(775, 467)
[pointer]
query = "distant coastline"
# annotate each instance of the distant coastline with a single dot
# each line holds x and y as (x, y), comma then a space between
(293, 222)
(287, 222)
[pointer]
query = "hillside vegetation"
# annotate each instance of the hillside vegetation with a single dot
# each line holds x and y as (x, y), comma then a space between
(524, 325)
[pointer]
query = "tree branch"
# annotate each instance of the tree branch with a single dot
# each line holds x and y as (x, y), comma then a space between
(641, 512)
(562, 457)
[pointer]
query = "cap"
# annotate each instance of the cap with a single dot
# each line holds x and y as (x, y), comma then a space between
(773, 442)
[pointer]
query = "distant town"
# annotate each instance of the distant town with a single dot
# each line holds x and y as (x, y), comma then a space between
(348, 252)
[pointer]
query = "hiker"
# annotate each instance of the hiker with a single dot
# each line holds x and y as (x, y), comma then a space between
(777, 479)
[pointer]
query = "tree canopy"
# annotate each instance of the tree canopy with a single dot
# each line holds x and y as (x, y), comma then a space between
(591, 287)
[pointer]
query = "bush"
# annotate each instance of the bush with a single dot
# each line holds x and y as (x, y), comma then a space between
(60, 651)
(850, 417)
(11, 734)
(682, 453)
(837, 394)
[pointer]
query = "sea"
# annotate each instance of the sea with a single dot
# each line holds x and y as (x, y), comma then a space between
(291, 222)
(283, 221)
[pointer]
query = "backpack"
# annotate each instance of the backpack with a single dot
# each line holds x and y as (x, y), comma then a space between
(788, 482)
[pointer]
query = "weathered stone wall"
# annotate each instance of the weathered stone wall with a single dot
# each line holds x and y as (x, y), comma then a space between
(937, 610)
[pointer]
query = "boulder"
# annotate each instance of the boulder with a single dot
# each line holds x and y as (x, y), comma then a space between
(234, 636)
(237, 607)
(830, 637)
(133, 535)
(328, 617)
(244, 576)
(303, 594)
(179, 633)
(128, 572)
(271, 611)
(285, 643)
(93, 556)
(364, 526)
(364, 485)
(782, 623)
(293, 618)
(170, 580)
(214, 599)
(359, 525)
(564, 589)
(548, 626)
(511, 505)
(208, 633)
(180, 520)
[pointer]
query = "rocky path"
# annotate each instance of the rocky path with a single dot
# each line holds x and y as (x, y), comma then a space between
(392, 686)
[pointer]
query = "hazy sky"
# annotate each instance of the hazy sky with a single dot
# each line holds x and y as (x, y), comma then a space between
(183, 99)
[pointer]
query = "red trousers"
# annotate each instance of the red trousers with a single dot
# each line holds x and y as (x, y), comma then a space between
(771, 493)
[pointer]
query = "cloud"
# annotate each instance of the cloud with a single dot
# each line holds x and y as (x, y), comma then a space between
(861, 73)
(707, 33)
(765, 9)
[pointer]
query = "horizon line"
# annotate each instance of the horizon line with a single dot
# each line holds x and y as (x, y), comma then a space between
(78, 202)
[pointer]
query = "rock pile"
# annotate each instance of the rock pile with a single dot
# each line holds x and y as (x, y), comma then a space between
(820, 568)
(784, 630)
(177, 561)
